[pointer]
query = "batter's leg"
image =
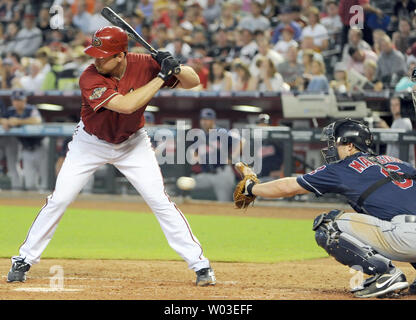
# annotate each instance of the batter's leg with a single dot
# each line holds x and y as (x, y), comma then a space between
(142, 170)
(77, 168)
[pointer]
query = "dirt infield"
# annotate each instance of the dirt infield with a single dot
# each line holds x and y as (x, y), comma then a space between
(172, 280)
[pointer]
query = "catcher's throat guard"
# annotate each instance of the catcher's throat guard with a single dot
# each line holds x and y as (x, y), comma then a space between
(330, 153)
(342, 132)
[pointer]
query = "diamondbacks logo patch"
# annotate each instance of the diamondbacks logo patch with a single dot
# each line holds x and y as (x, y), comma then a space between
(96, 42)
(97, 93)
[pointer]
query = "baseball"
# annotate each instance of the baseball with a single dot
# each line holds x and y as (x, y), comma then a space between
(185, 183)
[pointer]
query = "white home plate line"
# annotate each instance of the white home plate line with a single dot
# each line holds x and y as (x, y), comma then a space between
(43, 289)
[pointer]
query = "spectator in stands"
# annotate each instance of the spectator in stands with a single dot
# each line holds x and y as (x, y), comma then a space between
(264, 51)
(199, 37)
(267, 79)
(340, 83)
(146, 6)
(286, 40)
(271, 10)
(290, 69)
(37, 72)
(391, 65)
(354, 40)
(406, 84)
(34, 154)
(378, 34)
(220, 79)
(332, 21)
(270, 153)
(346, 14)
(10, 11)
(29, 38)
(227, 19)
(193, 14)
(160, 37)
(318, 81)
(241, 76)
(307, 45)
(357, 57)
(404, 37)
(285, 19)
(10, 37)
(97, 21)
(179, 49)
(307, 58)
(370, 72)
(197, 63)
(221, 47)
(255, 20)
(298, 16)
(212, 11)
(248, 45)
(10, 147)
(82, 19)
(393, 149)
(404, 8)
(43, 22)
(6, 73)
(316, 30)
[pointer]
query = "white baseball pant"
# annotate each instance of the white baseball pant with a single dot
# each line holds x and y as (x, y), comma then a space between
(134, 158)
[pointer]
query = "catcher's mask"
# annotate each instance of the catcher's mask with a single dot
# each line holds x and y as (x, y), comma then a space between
(413, 77)
(342, 132)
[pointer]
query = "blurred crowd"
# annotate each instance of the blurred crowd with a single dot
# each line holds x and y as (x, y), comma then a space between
(234, 45)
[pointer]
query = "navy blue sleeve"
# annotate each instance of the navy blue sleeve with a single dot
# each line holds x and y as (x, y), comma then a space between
(322, 180)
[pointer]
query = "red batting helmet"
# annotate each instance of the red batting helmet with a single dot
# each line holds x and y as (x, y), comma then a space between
(107, 41)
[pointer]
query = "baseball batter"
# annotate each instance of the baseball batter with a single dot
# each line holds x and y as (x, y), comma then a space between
(115, 91)
(381, 189)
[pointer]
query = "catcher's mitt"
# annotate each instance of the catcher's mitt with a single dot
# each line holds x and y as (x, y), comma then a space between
(242, 193)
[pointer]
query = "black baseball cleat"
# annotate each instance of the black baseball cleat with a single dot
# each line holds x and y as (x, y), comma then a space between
(18, 270)
(385, 284)
(205, 277)
(412, 287)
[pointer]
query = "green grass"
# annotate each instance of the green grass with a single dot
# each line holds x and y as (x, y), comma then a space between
(98, 234)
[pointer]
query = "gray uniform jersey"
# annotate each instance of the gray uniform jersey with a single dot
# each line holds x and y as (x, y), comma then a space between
(393, 148)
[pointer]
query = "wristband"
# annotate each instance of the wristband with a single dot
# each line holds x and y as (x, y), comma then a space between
(250, 188)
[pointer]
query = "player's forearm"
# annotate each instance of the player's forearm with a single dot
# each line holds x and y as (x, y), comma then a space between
(32, 120)
(136, 99)
(282, 188)
(188, 78)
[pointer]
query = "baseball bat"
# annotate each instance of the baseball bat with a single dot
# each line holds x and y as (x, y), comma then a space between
(116, 20)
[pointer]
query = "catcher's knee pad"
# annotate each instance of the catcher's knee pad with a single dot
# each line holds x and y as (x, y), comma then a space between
(348, 250)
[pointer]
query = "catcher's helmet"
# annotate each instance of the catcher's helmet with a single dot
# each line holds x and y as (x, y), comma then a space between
(107, 41)
(343, 132)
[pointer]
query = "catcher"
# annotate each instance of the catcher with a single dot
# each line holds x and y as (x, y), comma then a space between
(381, 189)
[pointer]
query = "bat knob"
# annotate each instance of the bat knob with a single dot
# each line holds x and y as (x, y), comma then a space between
(177, 70)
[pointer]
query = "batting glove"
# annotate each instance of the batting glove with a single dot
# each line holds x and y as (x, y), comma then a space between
(168, 67)
(160, 56)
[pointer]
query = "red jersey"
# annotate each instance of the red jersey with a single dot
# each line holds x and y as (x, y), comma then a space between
(97, 90)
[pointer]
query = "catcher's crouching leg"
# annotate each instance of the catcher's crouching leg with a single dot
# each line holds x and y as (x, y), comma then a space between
(345, 248)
